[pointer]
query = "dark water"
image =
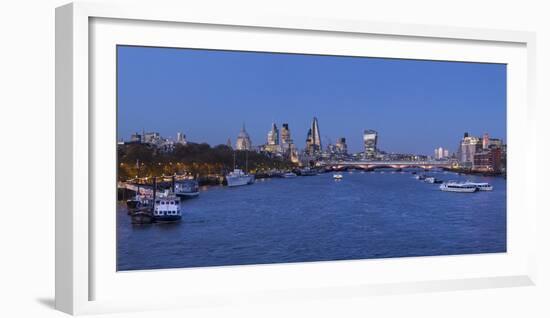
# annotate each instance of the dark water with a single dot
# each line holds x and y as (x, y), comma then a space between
(366, 215)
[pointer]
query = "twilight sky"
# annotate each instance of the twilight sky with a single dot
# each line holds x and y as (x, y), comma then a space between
(414, 105)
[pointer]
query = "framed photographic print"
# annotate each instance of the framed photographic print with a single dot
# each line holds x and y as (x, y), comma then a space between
(199, 157)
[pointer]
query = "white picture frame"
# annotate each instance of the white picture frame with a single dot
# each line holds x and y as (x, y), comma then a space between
(82, 56)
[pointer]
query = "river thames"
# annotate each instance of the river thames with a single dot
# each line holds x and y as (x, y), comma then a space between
(315, 218)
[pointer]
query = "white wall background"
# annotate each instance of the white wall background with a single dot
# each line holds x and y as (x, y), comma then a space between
(27, 158)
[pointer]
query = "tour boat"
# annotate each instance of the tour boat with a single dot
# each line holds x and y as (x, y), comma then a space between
(187, 189)
(338, 176)
(167, 208)
(482, 186)
(453, 186)
(238, 178)
(289, 175)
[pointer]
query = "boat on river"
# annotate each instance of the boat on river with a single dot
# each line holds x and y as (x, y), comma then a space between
(432, 180)
(139, 201)
(289, 175)
(167, 208)
(481, 186)
(239, 178)
(453, 186)
(142, 216)
(338, 176)
(187, 189)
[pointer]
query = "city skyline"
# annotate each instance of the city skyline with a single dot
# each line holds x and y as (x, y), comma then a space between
(475, 93)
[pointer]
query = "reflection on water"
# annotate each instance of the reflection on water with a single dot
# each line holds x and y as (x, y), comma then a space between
(365, 215)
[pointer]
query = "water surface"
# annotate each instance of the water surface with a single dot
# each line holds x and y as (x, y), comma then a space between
(366, 215)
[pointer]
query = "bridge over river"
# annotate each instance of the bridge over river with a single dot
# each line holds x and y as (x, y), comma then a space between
(367, 165)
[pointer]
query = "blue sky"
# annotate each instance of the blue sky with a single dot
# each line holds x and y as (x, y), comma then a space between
(414, 105)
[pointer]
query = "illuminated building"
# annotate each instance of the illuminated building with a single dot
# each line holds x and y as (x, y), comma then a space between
(243, 140)
(468, 147)
(341, 146)
(313, 140)
(370, 140)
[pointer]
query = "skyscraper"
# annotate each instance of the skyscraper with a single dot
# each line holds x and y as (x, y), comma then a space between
(441, 153)
(273, 135)
(341, 145)
(313, 140)
(243, 140)
(272, 144)
(370, 140)
(285, 135)
(468, 147)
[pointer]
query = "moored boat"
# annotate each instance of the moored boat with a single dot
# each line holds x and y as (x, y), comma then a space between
(238, 178)
(187, 189)
(167, 208)
(137, 202)
(289, 175)
(142, 216)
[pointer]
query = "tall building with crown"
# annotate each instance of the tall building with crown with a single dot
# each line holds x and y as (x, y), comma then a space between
(243, 140)
(313, 140)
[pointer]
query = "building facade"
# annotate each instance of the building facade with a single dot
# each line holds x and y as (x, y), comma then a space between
(441, 153)
(468, 148)
(488, 160)
(341, 146)
(370, 141)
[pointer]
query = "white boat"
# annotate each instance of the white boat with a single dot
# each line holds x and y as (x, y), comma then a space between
(238, 178)
(338, 176)
(453, 186)
(481, 186)
(289, 175)
(167, 208)
(187, 189)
